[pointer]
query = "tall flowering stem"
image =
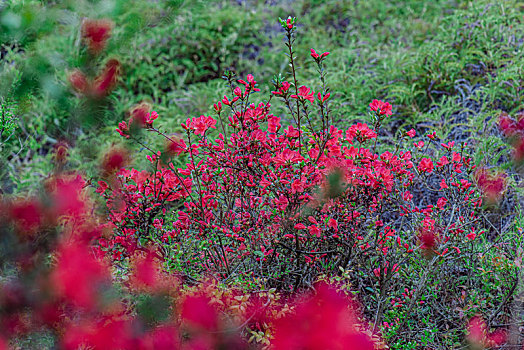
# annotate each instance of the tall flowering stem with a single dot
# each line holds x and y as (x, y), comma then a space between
(290, 28)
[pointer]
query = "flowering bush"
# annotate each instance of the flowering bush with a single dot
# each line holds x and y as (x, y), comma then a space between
(275, 201)
(75, 301)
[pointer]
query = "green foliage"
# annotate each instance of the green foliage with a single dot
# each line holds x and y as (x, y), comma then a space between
(196, 45)
(8, 110)
(413, 54)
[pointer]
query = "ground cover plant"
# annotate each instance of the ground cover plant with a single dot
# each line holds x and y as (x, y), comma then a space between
(366, 195)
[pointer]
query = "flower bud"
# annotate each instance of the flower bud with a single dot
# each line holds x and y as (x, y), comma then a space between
(78, 81)
(106, 81)
(96, 33)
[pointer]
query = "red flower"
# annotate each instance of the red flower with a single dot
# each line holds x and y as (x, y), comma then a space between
(518, 150)
(381, 107)
(79, 82)
(66, 194)
(3, 344)
(197, 313)
(361, 131)
(449, 145)
(106, 81)
(479, 337)
(290, 22)
(102, 187)
(441, 202)
(325, 321)
(287, 157)
(282, 89)
(96, 33)
(426, 165)
(123, 129)
(507, 125)
(411, 133)
(175, 146)
(316, 56)
(141, 115)
(493, 184)
(314, 230)
(108, 332)
(202, 123)
(323, 98)
(332, 223)
(27, 216)
(386, 109)
(273, 124)
(161, 338)
(305, 93)
(114, 160)
(428, 240)
(78, 276)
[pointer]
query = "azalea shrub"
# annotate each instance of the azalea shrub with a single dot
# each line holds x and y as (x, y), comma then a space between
(73, 300)
(278, 200)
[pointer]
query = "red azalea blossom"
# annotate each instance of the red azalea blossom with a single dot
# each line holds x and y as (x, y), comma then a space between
(283, 89)
(493, 184)
(290, 22)
(425, 165)
(104, 333)
(305, 93)
(141, 115)
(105, 82)
(96, 33)
(114, 160)
(287, 157)
(198, 313)
(325, 321)
(79, 81)
(518, 150)
(479, 336)
(66, 194)
(361, 132)
(323, 98)
(27, 215)
(273, 124)
(202, 124)
(123, 129)
(316, 56)
(300, 226)
(449, 145)
(428, 240)
(382, 108)
(80, 289)
(175, 146)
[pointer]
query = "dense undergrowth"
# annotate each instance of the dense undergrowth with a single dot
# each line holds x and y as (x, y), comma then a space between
(222, 199)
